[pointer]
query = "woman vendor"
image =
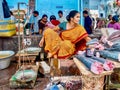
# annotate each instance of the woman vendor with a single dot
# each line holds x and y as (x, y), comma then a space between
(72, 38)
(114, 23)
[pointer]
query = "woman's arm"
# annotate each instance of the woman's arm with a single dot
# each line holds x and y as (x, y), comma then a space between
(87, 39)
(41, 42)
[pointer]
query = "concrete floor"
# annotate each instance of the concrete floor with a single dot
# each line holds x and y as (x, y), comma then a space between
(6, 74)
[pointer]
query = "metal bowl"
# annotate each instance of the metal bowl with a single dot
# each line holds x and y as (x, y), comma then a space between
(5, 58)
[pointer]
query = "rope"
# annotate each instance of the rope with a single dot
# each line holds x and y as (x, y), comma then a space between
(19, 63)
(1, 86)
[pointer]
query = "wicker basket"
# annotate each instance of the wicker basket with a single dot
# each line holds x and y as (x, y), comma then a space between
(92, 83)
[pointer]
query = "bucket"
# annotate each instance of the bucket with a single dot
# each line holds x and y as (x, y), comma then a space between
(7, 28)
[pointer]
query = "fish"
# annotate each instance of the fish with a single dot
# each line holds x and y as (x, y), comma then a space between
(93, 66)
(114, 55)
(107, 64)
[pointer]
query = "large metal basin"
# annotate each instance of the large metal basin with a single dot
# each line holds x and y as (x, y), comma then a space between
(5, 58)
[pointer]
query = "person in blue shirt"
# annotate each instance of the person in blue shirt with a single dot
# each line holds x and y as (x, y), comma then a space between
(34, 22)
(87, 22)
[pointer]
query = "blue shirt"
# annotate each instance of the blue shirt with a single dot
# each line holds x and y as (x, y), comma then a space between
(88, 24)
(34, 21)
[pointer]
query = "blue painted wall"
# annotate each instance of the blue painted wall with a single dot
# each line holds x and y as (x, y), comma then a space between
(50, 7)
(13, 4)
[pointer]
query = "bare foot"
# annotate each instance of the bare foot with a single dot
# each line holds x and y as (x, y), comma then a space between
(55, 56)
(49, 55)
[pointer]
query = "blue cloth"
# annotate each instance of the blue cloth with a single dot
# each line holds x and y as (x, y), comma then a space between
(88, 24)
(62, 26)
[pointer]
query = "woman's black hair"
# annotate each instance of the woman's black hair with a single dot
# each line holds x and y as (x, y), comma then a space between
(109, 16)
(85, 12)
(71, 14)
(44, 15)
(52, 17)
(115, 18)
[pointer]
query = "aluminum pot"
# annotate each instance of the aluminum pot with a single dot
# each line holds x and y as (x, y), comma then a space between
(5, 58)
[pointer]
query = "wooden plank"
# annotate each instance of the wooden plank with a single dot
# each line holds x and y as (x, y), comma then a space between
(26, 54)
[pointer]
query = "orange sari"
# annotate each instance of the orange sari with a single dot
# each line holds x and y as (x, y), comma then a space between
(67, 43)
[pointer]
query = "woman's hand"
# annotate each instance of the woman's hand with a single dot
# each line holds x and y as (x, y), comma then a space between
(87, 39)
(56, 29)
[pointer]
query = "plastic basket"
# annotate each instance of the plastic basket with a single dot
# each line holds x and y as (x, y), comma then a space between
(7, 28)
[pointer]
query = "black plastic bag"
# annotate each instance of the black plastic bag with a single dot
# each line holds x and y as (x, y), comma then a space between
(6, 10)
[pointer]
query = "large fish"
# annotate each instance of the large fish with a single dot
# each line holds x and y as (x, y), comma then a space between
(114, 37)
(93, 66)
(110, 54)
(114, 47)
(107, 65)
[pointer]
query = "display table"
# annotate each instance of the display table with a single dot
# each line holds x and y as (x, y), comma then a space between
(113, 84)
(96, 82)
(28, 54)
(91, 81)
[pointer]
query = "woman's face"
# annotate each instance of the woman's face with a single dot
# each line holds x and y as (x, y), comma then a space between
(44, 19)
(76, 18)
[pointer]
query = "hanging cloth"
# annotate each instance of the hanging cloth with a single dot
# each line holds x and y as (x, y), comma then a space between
(6, 10)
